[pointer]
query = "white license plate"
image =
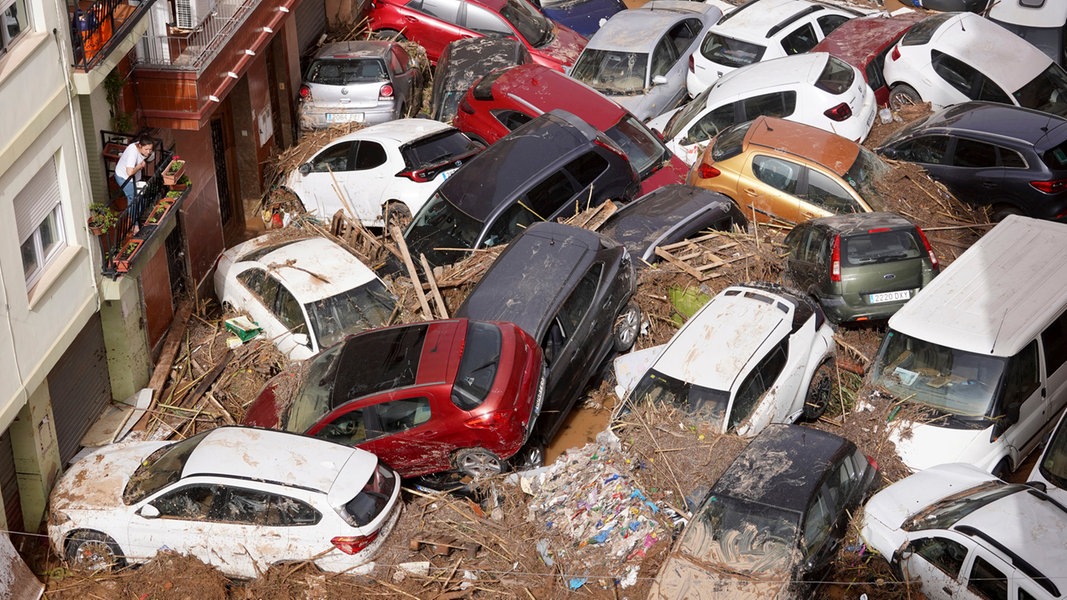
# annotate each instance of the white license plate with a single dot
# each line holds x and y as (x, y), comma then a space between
(889, 296)
(344, 117)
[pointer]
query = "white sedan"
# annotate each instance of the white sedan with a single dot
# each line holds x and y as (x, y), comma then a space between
(238, 498)
(304, 294)
(753, 355)
(816, 89)
(382, 172)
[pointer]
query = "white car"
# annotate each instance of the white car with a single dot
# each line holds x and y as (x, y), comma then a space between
(812, 88)
(238, 498)
(304, 294)
(382, 172)
(948, 58)
(1051, 468)
(753, 355)
(639, 57)
(966, 535)
(761, 30)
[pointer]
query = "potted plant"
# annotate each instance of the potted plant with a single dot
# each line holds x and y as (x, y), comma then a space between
(123, 258)
(101, 218)
(182, 183)
(174, 171)
(161, 209)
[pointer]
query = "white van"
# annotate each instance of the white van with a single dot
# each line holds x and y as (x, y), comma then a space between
(1040, 22)
(984, 349)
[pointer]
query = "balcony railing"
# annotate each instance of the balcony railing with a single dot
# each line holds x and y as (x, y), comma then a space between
(98, 27)
(192, 49)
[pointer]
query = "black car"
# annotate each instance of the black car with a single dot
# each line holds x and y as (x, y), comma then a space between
(670, 214)
(771, 525)
(465, 61)
(550, 167)
(572, 290)
(1012, 159)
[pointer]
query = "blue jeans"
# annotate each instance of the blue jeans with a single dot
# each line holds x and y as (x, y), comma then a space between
(128, 186)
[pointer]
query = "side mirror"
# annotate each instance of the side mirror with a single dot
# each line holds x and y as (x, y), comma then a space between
(302, 339)
(888, 153)
(305, 169)
(149, 512)
(659, 80)
(1038, 485)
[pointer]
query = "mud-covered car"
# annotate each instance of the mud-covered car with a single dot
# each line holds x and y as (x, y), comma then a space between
(465, 61)
(571, 289)
(771, 525)
(238, 498)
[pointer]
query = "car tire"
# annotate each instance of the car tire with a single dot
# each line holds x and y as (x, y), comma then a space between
(531, 456)
(627, 327)
(94, 551)
(390, 35)
(903, 95)
(820, 391)
(1003, 468)
(1001, 212)
(396, 213)
(478, 462)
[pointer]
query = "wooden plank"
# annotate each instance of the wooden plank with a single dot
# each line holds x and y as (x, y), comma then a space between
(171, 346)
(405, 255)
(667, 256)
(442, 310)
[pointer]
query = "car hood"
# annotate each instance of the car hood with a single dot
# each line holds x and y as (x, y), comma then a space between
(631, 367)
(682, 578)
(921, 446)
(564, 48)
(96, 482)
(583, 16)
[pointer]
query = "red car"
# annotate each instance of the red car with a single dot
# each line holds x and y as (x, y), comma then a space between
(425, 397)
(505, 99)
(864, 42)
(435, 23)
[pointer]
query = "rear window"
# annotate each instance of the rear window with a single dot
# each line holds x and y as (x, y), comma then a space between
(922, 31)
(1047, 92)
(730, 142)
(837, 77)
(347, 71)
(373, 499)
(641, 146)
(477, 368)
(1056, 158)
(436, 149)
(880, 247)
(730, 52)
(586, 168)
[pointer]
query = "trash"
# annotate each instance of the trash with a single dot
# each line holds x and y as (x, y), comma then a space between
(546, 556)
(885, 115)
(631, 577)
(420, 568)
(576, 582)
(243, 327)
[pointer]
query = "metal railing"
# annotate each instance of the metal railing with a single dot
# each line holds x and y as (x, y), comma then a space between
(102, 25)
(194, 48)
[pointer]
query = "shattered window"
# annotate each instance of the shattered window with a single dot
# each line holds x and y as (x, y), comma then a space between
(401, 415)
(194, 502)
(947, 555)
(335, 158)
(255, 507)
(349, 428)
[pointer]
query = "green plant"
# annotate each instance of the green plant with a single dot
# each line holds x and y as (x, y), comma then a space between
(184, 180)
(174, 193)
(101, 217)
(130, 248)
(176, 165)
(113, 84)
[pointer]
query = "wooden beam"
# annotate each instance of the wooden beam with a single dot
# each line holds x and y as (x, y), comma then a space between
(405, 255)
(442, 310)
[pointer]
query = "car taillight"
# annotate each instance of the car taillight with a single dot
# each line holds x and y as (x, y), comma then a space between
(706, 171)
(835, 259)
(874, 463)
(498, 419)
(353, 544)
(611, 148)
(929, 250)
(839, 113)
(466, 107)
(895, 54)
(305, 93)
(386, 93)
(1049, 187)
(418, 175)
(692, 64)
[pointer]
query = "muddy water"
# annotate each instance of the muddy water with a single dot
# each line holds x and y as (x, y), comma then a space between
(579, 429)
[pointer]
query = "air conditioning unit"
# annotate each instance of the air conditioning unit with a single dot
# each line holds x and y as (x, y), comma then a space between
(190, 13)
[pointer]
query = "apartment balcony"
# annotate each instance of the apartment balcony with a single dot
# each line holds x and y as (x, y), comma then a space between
(102, 33)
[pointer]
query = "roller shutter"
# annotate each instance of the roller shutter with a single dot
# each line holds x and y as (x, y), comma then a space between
(9, 485)
(79, 387)
(310, 24)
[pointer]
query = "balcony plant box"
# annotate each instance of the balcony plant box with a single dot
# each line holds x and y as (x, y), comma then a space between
(161, 209)
(180, 185)
(174, 171)
(126, 254)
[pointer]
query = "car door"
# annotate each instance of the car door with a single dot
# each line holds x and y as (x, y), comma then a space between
(404, 78)
(699, 134)
(767, 188)
(977, 174)
(801, 261)
(367, 180)
(823, 195)
(800, 39)
(937, 561)
(263, 307)
(433, 23)
(665, 96)
(313, 182)
(1022, 405)
(682, 38)
(1054, 360)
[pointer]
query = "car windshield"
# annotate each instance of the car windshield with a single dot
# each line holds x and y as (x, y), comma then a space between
(707, 403)
(946, 512)
(530, 23)
(690, 111)
(744, 536)
(1053, 465)
(329, 71)
(867, 175)
(1047, 92)
(610, 72)
(730, 52)
(880, 246)
(439, 224)
(642, 147)
(161, 468)
(365, 307)
(955, 382)
(477, 368)
(436, 149)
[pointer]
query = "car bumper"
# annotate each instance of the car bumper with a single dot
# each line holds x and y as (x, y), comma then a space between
(840, 310)
(319, 118)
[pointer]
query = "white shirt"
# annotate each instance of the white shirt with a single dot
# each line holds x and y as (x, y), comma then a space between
(131, 157)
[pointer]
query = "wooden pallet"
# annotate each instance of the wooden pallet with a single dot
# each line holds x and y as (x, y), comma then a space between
(700, 257)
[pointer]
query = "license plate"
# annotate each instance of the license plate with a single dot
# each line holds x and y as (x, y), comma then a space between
(344, 117)
(890, 296)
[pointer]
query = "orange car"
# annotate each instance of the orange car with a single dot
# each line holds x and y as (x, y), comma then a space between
(787, 172)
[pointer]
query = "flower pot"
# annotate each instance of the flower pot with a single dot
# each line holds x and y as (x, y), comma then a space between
(161, 209)
(173, 172)
(125, 256)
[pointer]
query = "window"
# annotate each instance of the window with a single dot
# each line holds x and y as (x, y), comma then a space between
(446, 10)
(401, 415)
(511, 119)
(546, 197)
(191, 502)
(829, 23)
(586, 168)
(837, 77)
(829, 195)
(958, 74)
(779, 174)
(710, 124)
(987, 581)
(1054, 339)
(684, 34)
(777, 104)
(730, 52)
(257, 282)
(39, 222)
(402, 58)
(947, 555)
(369, 155)
(1011, 159)
(580, 300)
(970, 153)
(288, 310)
(480, 20)
(334, 158)
(928, 149)
(758, 381)
(817, 524)
(663, 57)
(800, 40)
(1022, 377)
(12, 22)
(349, 429)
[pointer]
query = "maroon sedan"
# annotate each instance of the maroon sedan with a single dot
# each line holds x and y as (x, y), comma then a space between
(505, 99)
(425, 397)
(864, 42)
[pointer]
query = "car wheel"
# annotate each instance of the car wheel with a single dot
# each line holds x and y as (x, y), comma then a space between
(627, 326)
(478, 462)
(397, 213)
(1001, 212)
(903, 95)
(820, 391)
(390, 35)
(531, 456)
(1003, 468)
(94, 551)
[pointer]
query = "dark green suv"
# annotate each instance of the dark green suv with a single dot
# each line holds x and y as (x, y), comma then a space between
(861, 266)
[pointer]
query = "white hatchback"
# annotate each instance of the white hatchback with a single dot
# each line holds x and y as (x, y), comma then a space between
(761, 30)
(305, 294)
(238, 498)
(382, 172)
(753, 355)
(815, 88)
(948, 58)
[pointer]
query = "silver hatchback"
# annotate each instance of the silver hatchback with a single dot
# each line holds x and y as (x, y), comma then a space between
(359, 81)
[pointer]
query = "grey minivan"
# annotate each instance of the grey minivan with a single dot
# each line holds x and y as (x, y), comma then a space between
(861, 266)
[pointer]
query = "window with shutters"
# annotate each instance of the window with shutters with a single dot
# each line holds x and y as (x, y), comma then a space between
(12, 23)
(39, 221)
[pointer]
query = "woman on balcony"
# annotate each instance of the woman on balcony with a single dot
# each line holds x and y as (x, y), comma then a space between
(131, 163)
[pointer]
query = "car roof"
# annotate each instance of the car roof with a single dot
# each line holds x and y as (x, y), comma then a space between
(783, 466)
(831, 151)
(401, 131)
(969, 33)
(755, 20)
(717, 342)
(355, 49)
(544, 89)
(1041, 129)
(849, 223)
(533, 276)
(461, 56)
(785, 71)
(647, 219)
(858, 41)
(280, 457)
(311, 268)
(640, 29)
(475, 188)
(1049, 14)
